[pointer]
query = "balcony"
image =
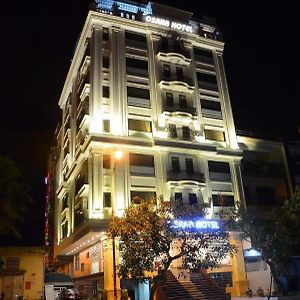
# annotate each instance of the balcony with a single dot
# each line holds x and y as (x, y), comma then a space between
(185, 177)
(82, 186)
(177, 108)
(177, 83)
(174, 55)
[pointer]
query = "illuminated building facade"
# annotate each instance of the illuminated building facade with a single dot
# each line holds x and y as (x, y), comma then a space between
(147, 80)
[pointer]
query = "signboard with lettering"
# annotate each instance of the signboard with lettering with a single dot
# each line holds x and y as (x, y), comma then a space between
(196, 225)
(169, 24)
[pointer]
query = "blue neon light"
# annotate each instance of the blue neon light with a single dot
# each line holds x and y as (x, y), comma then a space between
(196, 225)
(125, 6)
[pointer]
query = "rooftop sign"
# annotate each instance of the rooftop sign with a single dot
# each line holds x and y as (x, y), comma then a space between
(169, 24)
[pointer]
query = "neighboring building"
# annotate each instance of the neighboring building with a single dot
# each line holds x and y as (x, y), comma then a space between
(293, 153)
(147, 80)
(23, 272)
(266, 183)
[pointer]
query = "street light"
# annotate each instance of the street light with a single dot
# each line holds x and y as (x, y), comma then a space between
(118, 154)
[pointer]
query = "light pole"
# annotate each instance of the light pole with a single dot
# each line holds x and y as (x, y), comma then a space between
(118, 154)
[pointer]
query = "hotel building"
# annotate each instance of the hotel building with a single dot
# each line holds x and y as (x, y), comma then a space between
(147, 80)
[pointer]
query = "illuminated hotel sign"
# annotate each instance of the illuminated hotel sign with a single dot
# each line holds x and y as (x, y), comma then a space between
(197, 225)
(169, 24)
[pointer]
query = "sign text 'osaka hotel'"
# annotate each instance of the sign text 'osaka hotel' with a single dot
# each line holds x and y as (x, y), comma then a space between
(169, 24)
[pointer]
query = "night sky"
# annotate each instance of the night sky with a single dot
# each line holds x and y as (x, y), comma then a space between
(262, 62)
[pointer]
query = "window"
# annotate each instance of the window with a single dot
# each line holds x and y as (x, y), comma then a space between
(135, 40)
(214, 135)
(169, 99)
(141, 160)
(203, 55)
(12, 263)
(138, 196)
(138, 97)
(105, 34)
(213, 105)
(179, 73)
(87, 255)
(192, 199)
(207, 81)
(178, 197)
(136, 67)
(82, 267)
(76, 257)
(164, 43)
(105, 62)
(106, 161)
(166, 71)
(189, 165)
(172, 131)
(107, 199)
(218, 167)
(139, 125)
(175, 164)
(186, 133)
(182, 101)
(106, 125)
(141, 164)
(223, 200)
(64, 229)
(105, 91)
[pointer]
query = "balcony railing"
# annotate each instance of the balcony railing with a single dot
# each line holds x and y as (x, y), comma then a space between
(80, 182)
(185, 79)
(178, 50)
(184, 176)
(178, 108)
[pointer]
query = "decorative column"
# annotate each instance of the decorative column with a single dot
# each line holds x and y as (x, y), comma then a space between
(111, 261)
(96, 82)
(225, 101)
(118, 120)
(95, 180)
(239, 277)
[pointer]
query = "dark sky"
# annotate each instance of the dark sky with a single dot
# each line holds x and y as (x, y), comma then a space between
(262, 58)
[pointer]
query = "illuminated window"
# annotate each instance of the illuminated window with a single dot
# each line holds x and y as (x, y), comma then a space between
(138, 196)
(214, 135)
(106, 161)
(76, 258)
(106, 125)
(139, 125)
(223, 200)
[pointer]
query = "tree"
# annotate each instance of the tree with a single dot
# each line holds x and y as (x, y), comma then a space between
(14, 197)
(273, 234)
(148, 233)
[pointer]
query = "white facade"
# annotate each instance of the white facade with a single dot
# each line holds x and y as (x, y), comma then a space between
(158, 92)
